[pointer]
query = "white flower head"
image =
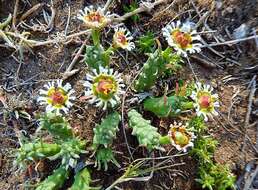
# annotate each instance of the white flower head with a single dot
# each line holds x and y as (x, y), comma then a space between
(94, 19)
(56, 96)
(204, 101)
(122, 38)
(182, 38)
(180, 137)
(104, 87)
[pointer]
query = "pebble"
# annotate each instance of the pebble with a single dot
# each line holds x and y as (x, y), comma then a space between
(256, 102)
(241, 31)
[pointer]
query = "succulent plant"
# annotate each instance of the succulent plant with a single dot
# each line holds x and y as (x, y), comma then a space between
(146, 134)
(70, 152)
(96, 56)
(105, 132)
(35, 151)
(56, 125)
(157, 63)
(82, 181)
(167, 106)
(54, 181)
(103, 157)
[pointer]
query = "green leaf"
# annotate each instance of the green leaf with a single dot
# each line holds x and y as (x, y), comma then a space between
(133, 6)
(146, 43)
(82, 181)
(167, 106)
(96, 56)
(54, 181)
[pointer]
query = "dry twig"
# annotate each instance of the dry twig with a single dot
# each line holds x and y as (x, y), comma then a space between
(32, 10)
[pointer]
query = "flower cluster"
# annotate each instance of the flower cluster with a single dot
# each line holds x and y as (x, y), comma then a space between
(103, 89)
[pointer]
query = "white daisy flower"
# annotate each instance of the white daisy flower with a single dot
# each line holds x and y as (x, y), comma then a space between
(122, 38)
(104, 87)
(182, 37)
(205, 101)
(56, 96)
(94, 19)
(180, 137)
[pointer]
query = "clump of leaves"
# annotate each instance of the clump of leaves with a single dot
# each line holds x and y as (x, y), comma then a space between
(103, 157)
(64, 146)
(104, 135)
(96, 56)
(216, 176)
(212, 176)
(157, 63)
(197, 125)
(56, 125)
(105, 132)
(146, 43)
(131, 7)
(34, 151)
(70, 152)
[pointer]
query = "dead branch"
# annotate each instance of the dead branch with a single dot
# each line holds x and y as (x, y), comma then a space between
(32, 10)
(16, 6)
(144, 7)
(231, 42)
(69, 72)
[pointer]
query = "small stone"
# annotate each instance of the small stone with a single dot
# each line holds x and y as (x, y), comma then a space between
(255, 112)
(229, 9)
(256, 102)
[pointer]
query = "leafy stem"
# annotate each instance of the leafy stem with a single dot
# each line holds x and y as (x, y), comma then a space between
(95, 37)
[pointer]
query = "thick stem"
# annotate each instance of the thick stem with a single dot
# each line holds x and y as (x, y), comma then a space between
(110, 50)
(95, 37)
(163, 140)
(187, 105)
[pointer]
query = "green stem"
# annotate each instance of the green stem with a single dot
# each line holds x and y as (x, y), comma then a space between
(6, 22)
(163, 140)
(95, 37)
(110, 50)
(187, 105)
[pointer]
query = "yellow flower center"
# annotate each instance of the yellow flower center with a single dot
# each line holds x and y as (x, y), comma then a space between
(205, 101)
(57, 96)
(121, 38)
(181, 38)
(105, 86)
(94, 17)
(180, 136)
